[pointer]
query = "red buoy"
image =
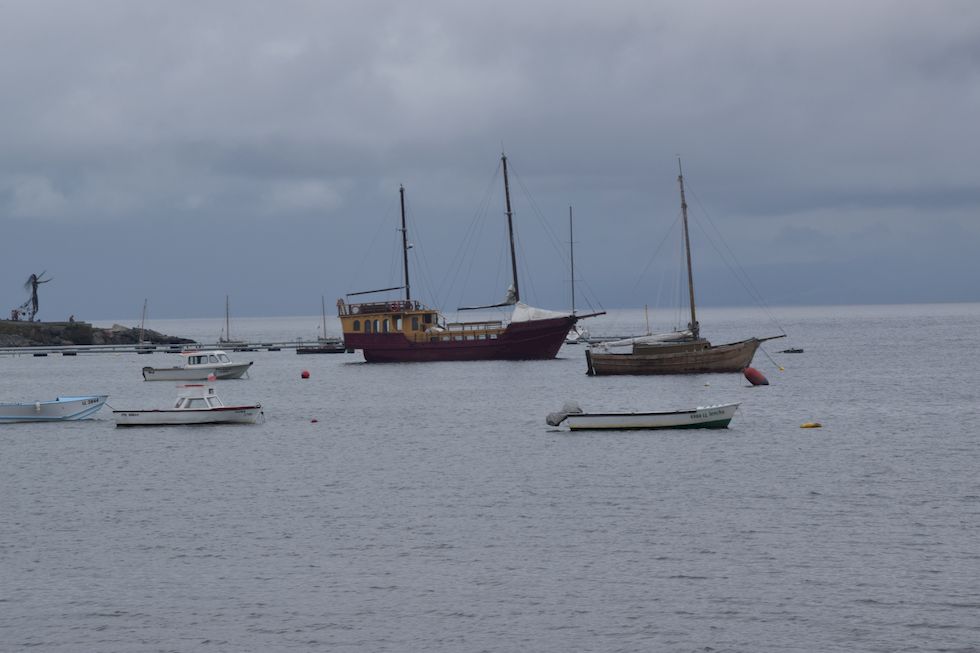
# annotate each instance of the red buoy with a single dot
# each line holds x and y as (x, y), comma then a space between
(305, 374)
(754, 376)
(212, 377)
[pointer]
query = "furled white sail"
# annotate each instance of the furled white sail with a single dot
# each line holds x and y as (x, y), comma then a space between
(673, 336)
(525, 313)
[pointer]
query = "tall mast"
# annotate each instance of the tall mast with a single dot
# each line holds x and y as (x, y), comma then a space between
(687, 249)
(408, 288)
(571, 249)
(510, 231)
(227, 321)
(142, 321)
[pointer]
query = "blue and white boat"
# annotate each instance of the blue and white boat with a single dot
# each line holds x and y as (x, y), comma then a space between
(61, 409)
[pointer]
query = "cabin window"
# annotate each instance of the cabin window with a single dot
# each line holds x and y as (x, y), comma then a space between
(493, 336)
(180, 402)
(471, 337)
(223, 358)
(376, 329)
(384, 325)
(482, 336)
(415, 323)
(357, 325)
(195, 403)
(367, 326)
(398, 323)
(212, 402)
(427, 318)
(212, 358)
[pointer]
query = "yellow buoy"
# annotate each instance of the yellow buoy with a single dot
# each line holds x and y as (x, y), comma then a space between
(811, 425)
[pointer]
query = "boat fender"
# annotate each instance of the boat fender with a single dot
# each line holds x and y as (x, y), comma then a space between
(754, 376)
(393, 307)
(355, 309)
(305, 374)
(811, 425)
(37, 406)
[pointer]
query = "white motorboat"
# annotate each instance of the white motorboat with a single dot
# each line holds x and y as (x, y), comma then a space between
(199, 366)
(196, 404)
(61, 409)
(702, 417)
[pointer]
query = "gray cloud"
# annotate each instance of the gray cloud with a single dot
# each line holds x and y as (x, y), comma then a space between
(146, 143)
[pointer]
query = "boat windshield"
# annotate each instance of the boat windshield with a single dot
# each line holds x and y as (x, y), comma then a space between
(223, 358)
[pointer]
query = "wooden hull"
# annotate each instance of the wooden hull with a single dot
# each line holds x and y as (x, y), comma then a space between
(61, 409)
(229, 371)
(530, 340)
(706, 417)
(675, 358)
(223, 415)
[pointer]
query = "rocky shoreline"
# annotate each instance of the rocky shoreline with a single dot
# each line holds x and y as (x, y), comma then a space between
(15, 333)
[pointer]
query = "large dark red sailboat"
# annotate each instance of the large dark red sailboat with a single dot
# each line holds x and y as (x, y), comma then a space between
(408, 331)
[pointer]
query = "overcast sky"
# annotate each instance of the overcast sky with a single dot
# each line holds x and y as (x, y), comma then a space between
(184, 151)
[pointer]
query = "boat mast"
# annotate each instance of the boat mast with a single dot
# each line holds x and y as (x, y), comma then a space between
(687, 249)
(510, 231)
(404, 230)
(571, 249)
(227, 321)
(323, 312)
(142, 321)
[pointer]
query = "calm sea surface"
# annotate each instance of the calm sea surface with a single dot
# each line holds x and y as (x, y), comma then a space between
(430, 508)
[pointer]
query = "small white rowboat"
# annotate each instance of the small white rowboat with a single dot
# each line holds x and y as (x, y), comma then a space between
(703, 417)
(62, 409)
(196, 404)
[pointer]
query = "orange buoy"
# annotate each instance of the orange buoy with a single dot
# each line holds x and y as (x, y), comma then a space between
(305, 374)
(754, 376)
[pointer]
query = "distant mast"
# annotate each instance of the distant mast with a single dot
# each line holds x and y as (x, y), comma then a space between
(142, 321)
(687, 249)
(323, 313)
(227, 321)
(408, 288)
(510, 231)
(571, 249)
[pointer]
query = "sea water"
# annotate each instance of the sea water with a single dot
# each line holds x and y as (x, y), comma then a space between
(428, 507)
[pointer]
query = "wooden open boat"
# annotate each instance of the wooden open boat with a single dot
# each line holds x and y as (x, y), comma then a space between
(61, 409)
(690, 354)
(702, 417)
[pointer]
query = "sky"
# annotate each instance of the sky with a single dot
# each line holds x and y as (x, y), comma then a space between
(181, 152)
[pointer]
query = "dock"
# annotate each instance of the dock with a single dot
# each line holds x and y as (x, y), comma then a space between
(75, 350)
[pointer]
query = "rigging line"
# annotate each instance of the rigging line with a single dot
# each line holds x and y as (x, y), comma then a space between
(419, 261)
(745, 279)
(352, 274)
(445, 291)
(548, 229)
(653, 257)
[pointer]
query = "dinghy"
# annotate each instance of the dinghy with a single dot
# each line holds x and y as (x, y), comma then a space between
(702, 417)
(61, 409)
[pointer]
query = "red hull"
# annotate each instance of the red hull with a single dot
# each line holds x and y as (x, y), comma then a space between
(532, 340)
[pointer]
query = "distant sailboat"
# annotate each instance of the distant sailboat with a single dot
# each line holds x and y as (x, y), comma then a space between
(681, 352)
(324, 344)
(141, 349)
(225, 340)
